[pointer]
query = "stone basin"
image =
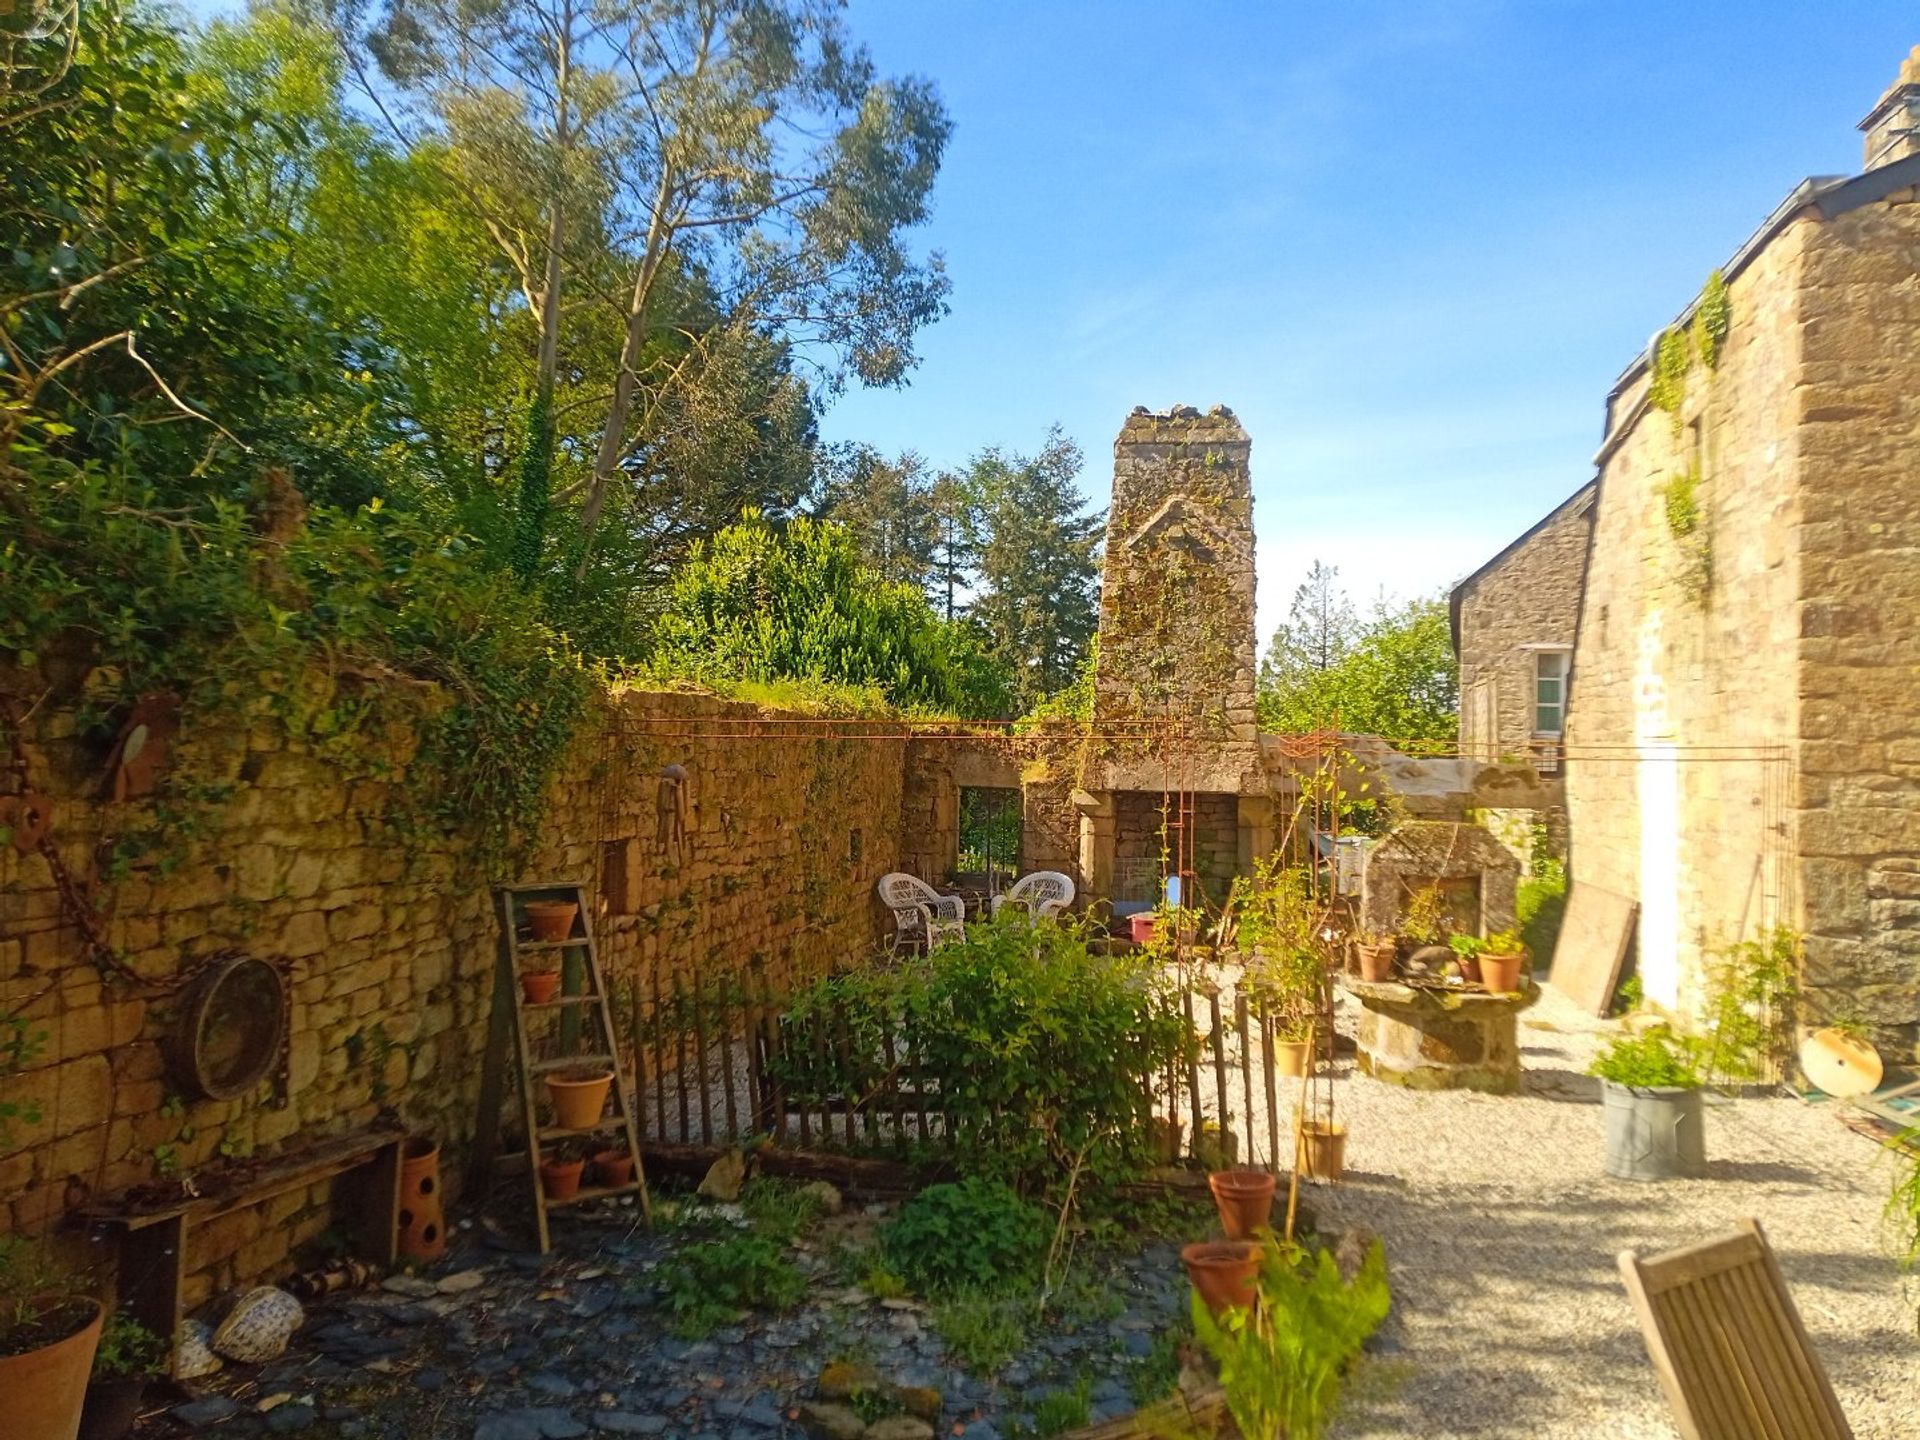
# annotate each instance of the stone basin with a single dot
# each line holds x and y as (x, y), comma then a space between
(1438, 1038)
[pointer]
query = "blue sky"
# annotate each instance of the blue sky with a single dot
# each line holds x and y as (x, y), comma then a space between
(1411, 244)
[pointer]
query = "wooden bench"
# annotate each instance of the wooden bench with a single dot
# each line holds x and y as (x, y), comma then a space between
(154, 1241)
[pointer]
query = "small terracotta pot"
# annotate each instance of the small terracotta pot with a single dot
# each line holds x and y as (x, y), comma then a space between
(44, 1390)
(613, 1167)
(1292, 1057)
(540, 986)
(1376, 961)
(579, 1099)
(1325, 1145)
(1222, 1272)
(1469, 968)
(561, 1178)
(1501, 973)
(112, 1406)
(551, 919)
(1244, 1199)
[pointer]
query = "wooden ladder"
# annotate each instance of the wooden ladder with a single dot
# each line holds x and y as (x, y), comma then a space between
(583, 993)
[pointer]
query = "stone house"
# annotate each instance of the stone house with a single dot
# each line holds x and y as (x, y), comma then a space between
(1513, 624)
(1742, 746)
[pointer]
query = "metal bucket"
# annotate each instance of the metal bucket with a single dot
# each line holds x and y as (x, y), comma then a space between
(1654, 1133)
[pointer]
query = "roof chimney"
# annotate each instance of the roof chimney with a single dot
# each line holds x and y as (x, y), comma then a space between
(1893, 129)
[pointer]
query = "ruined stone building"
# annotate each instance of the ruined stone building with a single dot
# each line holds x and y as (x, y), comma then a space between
(1743, 747)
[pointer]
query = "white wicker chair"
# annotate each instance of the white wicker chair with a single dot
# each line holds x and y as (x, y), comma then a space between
(1044, 893)
(920, 912)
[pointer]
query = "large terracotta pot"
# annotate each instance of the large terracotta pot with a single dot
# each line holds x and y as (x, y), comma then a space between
(42, 1391)
(1223, 1272)
(1244, 1199)
(551, 919)
(1325, 1144)
(1292, 1057)
(423, 1225)
(1376, 962)
(579, 1098)
(1501, 973)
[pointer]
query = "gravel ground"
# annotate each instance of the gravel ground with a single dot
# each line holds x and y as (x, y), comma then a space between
(1501, 1231)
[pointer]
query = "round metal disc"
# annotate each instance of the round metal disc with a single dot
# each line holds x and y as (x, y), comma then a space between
(1840, 1064)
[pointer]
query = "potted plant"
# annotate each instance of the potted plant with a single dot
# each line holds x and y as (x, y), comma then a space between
(579, 1097)
(1244, 1199)
(1222, 1272)
(1377, 954)
(551, 920)
(1424, 922)
(560, 1170)
(1282, 1362)
(1467, 953)
(1503, 960)
(612, 1167)
(49, 1330)
(1651, 1086)
(129, 1356)
(540, 986)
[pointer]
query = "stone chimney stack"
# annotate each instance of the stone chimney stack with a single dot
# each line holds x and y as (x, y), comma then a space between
(1893, 129)
(1176, 599)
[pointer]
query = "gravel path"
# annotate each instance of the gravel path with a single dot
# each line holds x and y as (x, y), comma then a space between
(1501, 1230)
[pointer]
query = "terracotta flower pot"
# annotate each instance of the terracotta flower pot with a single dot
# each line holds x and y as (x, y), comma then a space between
(1222, 1272)
(1376, 961)
(551, 919)
(45, 1389)
(1469, 967)
(112, 1405)
(1501, 973)
(1244, 1199)
(613, 1167)
(579, 1097)
(423, 1225)
(1325, 1144)
(1292, 1057)
(561, 1178)
(540, 986)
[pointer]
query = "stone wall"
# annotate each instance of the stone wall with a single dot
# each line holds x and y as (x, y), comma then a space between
(1529, 597)
(1856, 529)
(1684, 698)
(389, 939)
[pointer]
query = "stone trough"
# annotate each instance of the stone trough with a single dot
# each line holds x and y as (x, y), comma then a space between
(1430, 1037)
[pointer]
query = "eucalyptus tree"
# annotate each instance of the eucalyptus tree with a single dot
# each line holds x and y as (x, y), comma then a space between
(741, 172)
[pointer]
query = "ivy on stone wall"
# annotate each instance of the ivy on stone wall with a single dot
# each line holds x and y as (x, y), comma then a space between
(1678, 347)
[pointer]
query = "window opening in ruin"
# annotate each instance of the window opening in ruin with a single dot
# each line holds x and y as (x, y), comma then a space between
(989, 834)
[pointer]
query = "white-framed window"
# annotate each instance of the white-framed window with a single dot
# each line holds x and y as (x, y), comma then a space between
(1550, 691)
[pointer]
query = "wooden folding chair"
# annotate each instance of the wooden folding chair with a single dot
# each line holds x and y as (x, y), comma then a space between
(1728, 1345)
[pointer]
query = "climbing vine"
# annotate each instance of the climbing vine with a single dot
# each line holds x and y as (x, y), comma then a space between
(1678, 347)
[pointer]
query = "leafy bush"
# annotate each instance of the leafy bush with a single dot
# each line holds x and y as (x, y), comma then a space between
(128, 1348)
(763, 603)
(1540, 904)
(1752, 994)
(706, 1285)
(1059, 1411)
(1657, 1058)
(1281, 1363)
(984, 1332)
(974, 1235)
(1031, 1048)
